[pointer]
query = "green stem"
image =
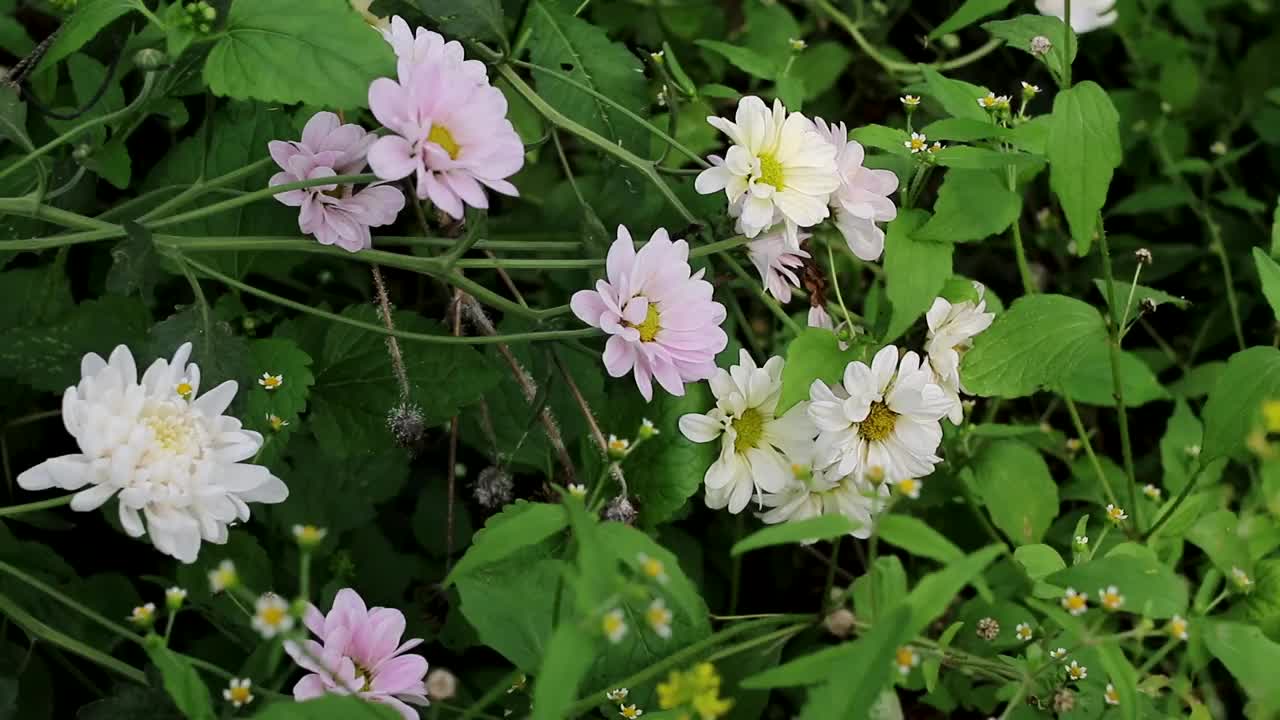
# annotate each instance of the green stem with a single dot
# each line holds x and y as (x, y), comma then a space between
(1177, 502)
(201, 186)
(148, 82)
(252, 197)
(1221, 251)
(831, 573)
(37, 629)
(897, 66)
(560, 120)
(1067, 42)
(1088, 449)
(1113, 346)
(1019, 252)
(59, 241)
(13, 510)
(765, 297)
(1155, 658)
(69, 602)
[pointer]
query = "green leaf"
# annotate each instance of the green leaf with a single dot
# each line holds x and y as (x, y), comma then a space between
(885, 138)
(1218, 534)
(1123, 676)
(964, 130)
(135, 266)
(1149, 587)
(337, 493)
(1182, 432)
(47, 357)
(135, 702)
(1275, 230)
(967, 14)
(1239, 199)
(569, 655)
(1084, 150)
(1038, 560)
(1251, 377)
(1179, 82)
(972, 205)
(916, 537)
(957, 97)
(1163, 196)
(328, 707)
(1017, 489)
(626, 544)
(869, 668)
(935, 591)
(90, 17)
(14, 38)
(745, 59)
(472, 19)
(1140, 293)
(814, 354)
(1250, 656)
(915, 270)
(273, 50)
(283, 357)
(583, 51)
(1019, 32)
(977, 158)
(253, 566)
(664, 472)
(516, 527)
(1269, 274)
(221, 354)
(823, 527)
(182, 683)
(932, 665)
(1090, 381)
(822, 65)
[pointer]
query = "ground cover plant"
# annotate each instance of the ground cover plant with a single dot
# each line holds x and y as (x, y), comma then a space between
(684, 359)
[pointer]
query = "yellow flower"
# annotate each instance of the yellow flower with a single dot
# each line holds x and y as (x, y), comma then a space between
(1074, 602)
(184, 389)
(910, 101)
(1110, 598)
(652, 568)
(618, 447)
(698, 689)
(613, 625)
(917, 143)
(271, 616)
(1178, 627)
(1116, 514)
(270, 382)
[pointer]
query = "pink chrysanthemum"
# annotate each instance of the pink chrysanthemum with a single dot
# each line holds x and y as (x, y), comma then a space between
(660, 316)
(360, 654)
(451, 128)
(777, 262)
(424, 48)
(335, 215)
(862, 199)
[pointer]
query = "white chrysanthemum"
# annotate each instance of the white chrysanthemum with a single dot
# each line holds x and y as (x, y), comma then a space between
(952, 327)
(882, 421)
(862, 199)
(168, 451)
(825, 492)
(1086, 15)
(779, 169)
(754, 444)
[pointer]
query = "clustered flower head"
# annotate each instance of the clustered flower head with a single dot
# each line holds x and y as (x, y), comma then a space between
(697, 689)
(360, 653)
(168, 451)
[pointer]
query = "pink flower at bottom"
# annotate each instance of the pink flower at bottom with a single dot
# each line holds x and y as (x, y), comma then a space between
(335, 215)
(360, 654)
(659, 314)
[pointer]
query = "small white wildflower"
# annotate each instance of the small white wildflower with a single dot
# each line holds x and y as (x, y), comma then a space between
(577, 490)
(1178, 627)
(647, 430)
(237, 692)
(616, 695)
(1151, 491)
(1076, 671)
(1110, 598)
(910, 102)
(797, 44)
(1074, 602)
(271, 616)
(1023, 631)
(918, 143)
(905, 659)
(143, 615)
(223, 577)
(652, 568)
(441, 684)
(1111, 696)
(631, 712)
(659, 618)
(1041, 45)
(271, 382)
(308, 536)
(614, 626)
(910, 487)
(1218, 148)
(1116, 514)
(618, 447)
(1058, 653)
(174, 597)
(1241, 578)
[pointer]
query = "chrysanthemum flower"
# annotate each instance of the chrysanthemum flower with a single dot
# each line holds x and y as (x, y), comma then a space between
(826, 492)
(1076, 671)
(238, 692)
(335, 215)
(952, 327)
(862, 199)
(882, 419)
(779, 169)
(360, 654)
(1110, 695)
(658, 615)
(1023, 632)
(451, 128)
(1074, 602)
(175, 459)
(754, 443)
(777, 262)
(271, 616)
(1086, 15)
(659, 314)
(423, 48)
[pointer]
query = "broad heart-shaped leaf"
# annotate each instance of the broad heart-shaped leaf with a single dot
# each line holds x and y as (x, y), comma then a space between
(1218, 535)
(478, 19)
(1269, 273)
(182, 683)
(1250, 656)
(744, 58)
(1251, 377)
(516, 527)
(1019, 32)
(569, 655)
(958, 97)
(822, 527)
(967, 14)
(47, 357)
(1017, 489)
(972, 205)
(581, 50)
(318, 52)
(283, 357)
(1039, 560)
(815, 354)
(915, 270)
(90, 17)
(1084, 150)
(337, 493)
(328, 707)
(1149, 587)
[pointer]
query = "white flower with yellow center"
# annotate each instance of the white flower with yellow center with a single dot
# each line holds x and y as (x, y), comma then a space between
(578, 490)
(658, 615)
(905, 658)
(618, 447)
(276, 422)
(1111, 696)
(1110, 598)
(952, 327)
(909, 487)
(918, 143)
(1082, 542)
(883, 420)
(223, 577)
(1023, 632)
(1058, 653)
(617, 695)
(631, 712)
(308, 536)
(174, 597)
(779, 169)
(911, 102)
(237, 692)
(991, 101)
(143, 615)
(1241, 578)
(1076, 671)
(271, 616)
(1151, 491)
(270, 382)
(754, 443)
(652, 568)
(1178, 627)
(1074, 602)
(175, 460)
(826, 492)
(614, 626)
(1116, 514)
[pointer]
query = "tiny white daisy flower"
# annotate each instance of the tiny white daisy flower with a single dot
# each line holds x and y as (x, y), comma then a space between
(1241, 578)
(618, 447)
(659, 618)
(223, 577)
(185, 389)
(616, 695)
(174, 597)
(1058, 653)
(909, 487)
(935, 147)
(1076, 671)
(910, 101)
(1111, 696)
(917, 143)
(631, 712)
(1151, 491)
(271, 382)
(797, 44)
(652, 568)
(143, 615)
(1074, 602)
(237, 692)
(1110, 598)
(1178, 627)
(905, 659)
(1082, 541)
(1023, 631)
(577, 490)
(1116, 514)
(271, 616)
(614, 625)
(276, 422)
(1030, 90)
(991, 101)
(308, 536)
(647, 429)
(1218, 148)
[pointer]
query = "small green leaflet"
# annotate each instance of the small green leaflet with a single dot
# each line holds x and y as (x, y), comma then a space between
(823, 527)
(956, 96)
(1019, 32)
(518, 526)
(971, 12)
(915, 270)
(328, 707)
(1269, 274)
(569, 655)
(1084, 151)
(182, 683)
(478, 19)
(972, 205)
(814, 354)
(1251, 377)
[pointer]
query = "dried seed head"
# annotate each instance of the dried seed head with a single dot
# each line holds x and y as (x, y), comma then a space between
(988, 629)
(493, 488)
(1149, 305)
(621, 510)
(1064, 701)
(441, 684)
(406, 424)
(1143, 255)
(839, 623)
(1041, 45)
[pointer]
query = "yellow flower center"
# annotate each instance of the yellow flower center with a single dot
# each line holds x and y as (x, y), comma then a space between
(173, 433)
(1076, 602)
(184, 390)
(658, 616)
(612, 624)
(272, 615)
(650, 326)
(905, 657)
(879, 422)
(750, 429)
(653, 568)
(770, 172)
(441, 136)
(240, 695)
(918, 144)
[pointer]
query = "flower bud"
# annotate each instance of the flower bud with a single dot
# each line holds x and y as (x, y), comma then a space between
(82, 152)
(1041, 45)
(988, 629)
(308, 536)
(618, 447)
(224, 577)
(143, 616)
(647, 430)
(839, 623)
(1064, 701)
(174, 597)
(951, 41)
(493, 488)
(1143, 255)
(441, 684)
